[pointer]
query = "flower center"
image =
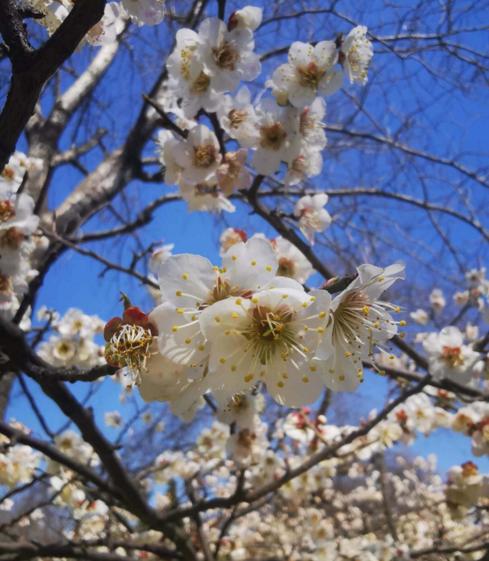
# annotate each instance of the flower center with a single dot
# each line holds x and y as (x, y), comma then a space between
(203, 189)
(350, 315)
(129, 346)
(452, 356)
(204, 155)
(11, 238)
(286, 267)
(226, 56)
(200, 84)
(236, 117)
(7, 210)
(5, 283)
(272, 136)
(270, 332)
(309, 75)
(8, 172)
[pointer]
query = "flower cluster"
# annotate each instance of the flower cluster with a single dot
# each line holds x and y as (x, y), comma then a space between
(232, 328)
(18, 223)
(205, 69)
(72, 342)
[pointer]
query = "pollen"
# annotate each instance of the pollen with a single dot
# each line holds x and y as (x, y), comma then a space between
(253, 263)
(178, 293)
(313, 368)
(174, 328)
(217, 319)
(234, 258)
(280, 384)
(222, 360)
(305, 379)
(322, 315)
(248, 377)
(185, 276)
(188, 341)
(268, 268)
(180, 311)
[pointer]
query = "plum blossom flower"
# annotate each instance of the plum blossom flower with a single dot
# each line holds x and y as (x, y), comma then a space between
(309, 72)
(449, 358)
(190, 283)
(238, 118)
(205, 196)
(291, 261)
(270, 338)
(355, 55)
(227, 56)
(311, 214)
(249, 17)
(274, 138)
(437, 300)
(231, 236)
(109, 27)
(305, 163)
(360, 322)
(420, 316)
(232, 173)
(198, 155)
(145, 12)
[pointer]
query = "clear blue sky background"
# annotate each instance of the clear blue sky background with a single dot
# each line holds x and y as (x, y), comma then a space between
(456, 121)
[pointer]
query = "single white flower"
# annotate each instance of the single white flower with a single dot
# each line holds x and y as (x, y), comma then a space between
(205, 196)
(272, 338)
(109, 27)
(227, 56)
(437, 300)
(311, 214)
(309, 72)
(249, 17)
(305, 163)
(232, 173)
(229, 237)
(190, 283)
(198, 155)
(449, 358)
(145, 12)
(420, 316)
(361, 321)
(355, 55)
(274, 138)
(291, 262)
(238, 118)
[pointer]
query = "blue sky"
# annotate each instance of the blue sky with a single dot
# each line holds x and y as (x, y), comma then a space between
(452, 122)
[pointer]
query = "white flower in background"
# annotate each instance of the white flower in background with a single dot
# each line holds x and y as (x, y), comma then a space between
(238, 118)
(167, 146)
(232, 173)
(76, 323)
(465, 486)
(420, 316)
(355, 55)
(270, 338)
(449, 358)
(437, 300)
(309, 72)
(229, 237)
(190, 283)
(305, 163)
(361, 321)
(312, 215)
(145, 12)
(198, 155)
(249, 18)
(113, 419)
(17, 463)
(227, 56)
(240, 410)
(205, 196)
(159, 256)
(291, 262)
(274, 139)
(16, 211)
(109, 27)
(461, 298)
(308, 124)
